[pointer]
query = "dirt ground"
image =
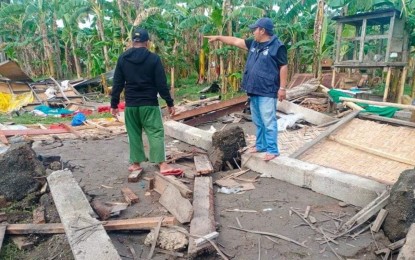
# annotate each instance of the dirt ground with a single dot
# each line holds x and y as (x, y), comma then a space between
(100, 167)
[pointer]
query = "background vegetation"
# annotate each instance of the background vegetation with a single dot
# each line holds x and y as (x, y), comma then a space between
(83, 38)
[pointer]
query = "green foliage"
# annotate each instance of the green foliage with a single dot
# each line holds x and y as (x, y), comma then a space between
(9, 251)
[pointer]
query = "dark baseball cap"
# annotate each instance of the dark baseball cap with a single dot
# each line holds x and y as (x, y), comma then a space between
(140, 35)
(265, 23)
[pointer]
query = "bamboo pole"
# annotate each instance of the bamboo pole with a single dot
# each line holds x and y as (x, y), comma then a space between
(376, 103)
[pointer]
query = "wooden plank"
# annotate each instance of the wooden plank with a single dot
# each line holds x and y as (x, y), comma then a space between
(203, 164)
(3, 138)
(71, 129)
(376, 103)
(311, 116)
(129, 196)
(349, 223)
(387, 120)
(203, 222)
(209, 108)
(2, 233)
(396, 245)
(134, 176)
(34, 132)
(86, 235)
(12, 71)
(372, 211)
(326, 133)
(379, 220)
(173, 201)
(161, 182)
(150, 183)
(111, 225)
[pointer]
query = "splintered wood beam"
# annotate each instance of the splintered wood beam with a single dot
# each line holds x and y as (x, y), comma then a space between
(203, 164)
(161, 182)
(325, 134)
(111, 225)
(210, 108)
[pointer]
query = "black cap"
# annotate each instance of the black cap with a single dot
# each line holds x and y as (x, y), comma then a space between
(140, 35)
(265, 23)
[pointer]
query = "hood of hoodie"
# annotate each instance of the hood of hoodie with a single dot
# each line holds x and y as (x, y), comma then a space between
(137, 55)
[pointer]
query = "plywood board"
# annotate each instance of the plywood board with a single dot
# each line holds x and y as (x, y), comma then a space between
(12, 71)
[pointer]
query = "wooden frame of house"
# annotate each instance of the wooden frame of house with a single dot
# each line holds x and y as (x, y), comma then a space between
(379, 41)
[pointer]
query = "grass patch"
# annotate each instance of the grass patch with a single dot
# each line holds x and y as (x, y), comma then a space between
(9, 251)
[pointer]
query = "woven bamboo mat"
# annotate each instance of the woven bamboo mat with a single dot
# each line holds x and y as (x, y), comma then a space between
(386, 140)
(290, 141)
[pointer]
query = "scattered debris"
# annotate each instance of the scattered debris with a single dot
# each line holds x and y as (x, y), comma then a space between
(161, 182)
(129, 196)
(134, 176)
(203, 165)
(168, 239)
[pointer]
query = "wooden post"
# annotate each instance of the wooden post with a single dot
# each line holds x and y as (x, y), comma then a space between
(402, 85)
(387, 85)
(362, 40)
(333, 78)
(390, 34)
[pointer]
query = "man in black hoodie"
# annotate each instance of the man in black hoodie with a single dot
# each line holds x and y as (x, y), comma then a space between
(141, 73)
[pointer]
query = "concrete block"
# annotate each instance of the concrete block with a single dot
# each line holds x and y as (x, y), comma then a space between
(346, 187)
(188, 134)
(408, 250)
(282, 168)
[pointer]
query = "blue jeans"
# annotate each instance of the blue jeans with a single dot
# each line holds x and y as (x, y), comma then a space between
(263, 111)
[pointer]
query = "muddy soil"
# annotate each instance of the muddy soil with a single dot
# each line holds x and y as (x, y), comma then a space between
(100, 167)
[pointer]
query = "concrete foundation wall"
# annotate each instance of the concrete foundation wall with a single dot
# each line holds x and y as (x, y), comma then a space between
(346, 187)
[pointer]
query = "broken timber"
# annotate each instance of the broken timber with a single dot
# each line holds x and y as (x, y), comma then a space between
(210, 108)
(129, 196)
(161, 182)
(203, 222)
(379, 220)
(203, 165)
(325, 134)
(111, 225)
(173, 201)
(86, 236)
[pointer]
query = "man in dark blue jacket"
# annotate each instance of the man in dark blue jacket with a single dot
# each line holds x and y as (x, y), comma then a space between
(264, 80)
(141, 73)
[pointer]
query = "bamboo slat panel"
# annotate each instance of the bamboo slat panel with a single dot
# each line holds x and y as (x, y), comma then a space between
(291, 141)
(397, 141)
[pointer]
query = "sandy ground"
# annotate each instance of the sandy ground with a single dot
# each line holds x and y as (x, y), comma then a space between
(100, 167)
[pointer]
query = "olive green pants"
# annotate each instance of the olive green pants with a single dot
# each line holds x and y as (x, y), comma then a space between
(147, 118)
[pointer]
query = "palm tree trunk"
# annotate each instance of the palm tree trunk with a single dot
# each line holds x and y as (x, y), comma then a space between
(122, 27)
(172, 69)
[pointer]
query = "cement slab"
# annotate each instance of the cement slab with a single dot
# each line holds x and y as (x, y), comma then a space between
(86, 235)
(188, 134)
